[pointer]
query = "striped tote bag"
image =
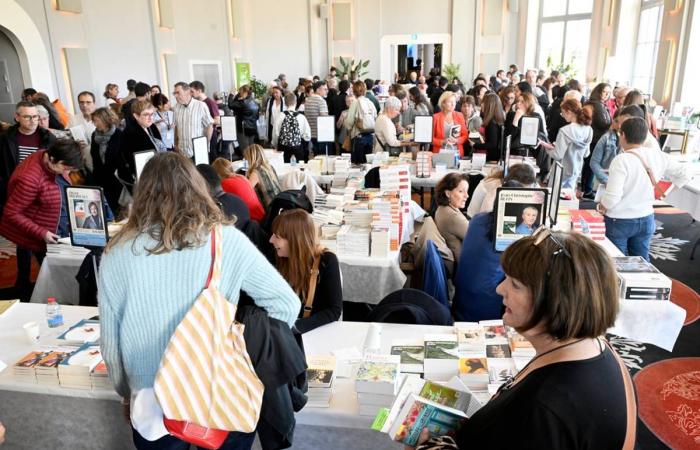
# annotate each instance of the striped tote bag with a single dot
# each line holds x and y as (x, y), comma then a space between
(206, 383)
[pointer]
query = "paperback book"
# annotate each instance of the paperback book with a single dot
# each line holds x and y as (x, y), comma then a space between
(419, 413)
(412, 354)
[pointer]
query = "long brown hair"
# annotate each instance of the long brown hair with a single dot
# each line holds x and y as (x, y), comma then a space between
(492, 109)
(172, 205)
(297, 227)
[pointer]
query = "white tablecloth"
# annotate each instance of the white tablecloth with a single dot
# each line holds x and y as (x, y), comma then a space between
(687, 198)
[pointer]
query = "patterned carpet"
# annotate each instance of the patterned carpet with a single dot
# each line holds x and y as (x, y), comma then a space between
(668, 383)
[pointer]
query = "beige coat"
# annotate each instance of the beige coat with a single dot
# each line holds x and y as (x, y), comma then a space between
(452, 225)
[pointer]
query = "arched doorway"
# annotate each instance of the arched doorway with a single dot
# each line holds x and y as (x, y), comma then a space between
(11, 80)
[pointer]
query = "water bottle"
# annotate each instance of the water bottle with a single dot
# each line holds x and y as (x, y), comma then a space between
(293, 161)
(54, 315)
(456, 159)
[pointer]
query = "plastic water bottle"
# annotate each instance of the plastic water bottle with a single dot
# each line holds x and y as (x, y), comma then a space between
(293, 161)
(54, 315)
(456, 159)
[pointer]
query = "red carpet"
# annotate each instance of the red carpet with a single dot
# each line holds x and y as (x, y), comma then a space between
(668, 395)
(688, 299)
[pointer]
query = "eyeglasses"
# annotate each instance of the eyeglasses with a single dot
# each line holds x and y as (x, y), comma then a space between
(146, 115)
(30, 117)
(542, 233)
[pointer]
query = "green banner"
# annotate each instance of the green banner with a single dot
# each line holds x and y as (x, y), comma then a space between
(242, 74)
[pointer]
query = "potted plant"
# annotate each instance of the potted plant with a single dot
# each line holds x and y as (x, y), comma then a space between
(354, 71)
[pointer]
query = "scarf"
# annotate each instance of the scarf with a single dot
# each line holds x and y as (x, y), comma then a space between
(102, 139)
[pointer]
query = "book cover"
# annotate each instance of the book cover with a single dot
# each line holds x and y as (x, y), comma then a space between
(379, 374)
(412, 385)
(498, 351)
(473, 367)
(494, 331)
(419, 413)
(633, 264)
(320, 371)
(446, 396)
(411, 353)
(471, 337)
(501, 370)
(83, 331)
(441, 347)
(6, 306)
(82, 361)
(31, 359)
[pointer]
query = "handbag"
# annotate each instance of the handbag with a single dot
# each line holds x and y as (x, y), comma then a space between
(311, 293)
(631, 402)
(206, 384)
(360, 120)
(659, 192)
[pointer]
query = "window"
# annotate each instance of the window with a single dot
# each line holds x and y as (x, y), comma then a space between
(564, 34)
(647, 48)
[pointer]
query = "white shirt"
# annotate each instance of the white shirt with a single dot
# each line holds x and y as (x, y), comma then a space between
(304, 128)
(78, 120)
(191, 121)
(629, 193)
(483, 196)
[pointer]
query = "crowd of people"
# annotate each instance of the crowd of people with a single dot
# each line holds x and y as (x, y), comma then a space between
(607, 137)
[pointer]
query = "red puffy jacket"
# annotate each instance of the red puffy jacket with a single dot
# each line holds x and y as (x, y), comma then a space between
(33, 204)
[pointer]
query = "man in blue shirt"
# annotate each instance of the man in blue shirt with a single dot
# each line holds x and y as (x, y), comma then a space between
(527, 226)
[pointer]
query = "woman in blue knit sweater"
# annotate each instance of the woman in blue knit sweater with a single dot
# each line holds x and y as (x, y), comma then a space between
(154, 269)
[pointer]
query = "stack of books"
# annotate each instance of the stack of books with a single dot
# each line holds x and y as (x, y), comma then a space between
(377, 383)
(398, 178)
(25, 369)
(387, 214)
(320, 375)
(358, 216)
(353, 241)
(74, 371)
(424, 164)
(64, 248)
(47, 368)
(340, 172)
(500, 362)
(640, 280)
(588, 222)
(380, 242)
(99, 377)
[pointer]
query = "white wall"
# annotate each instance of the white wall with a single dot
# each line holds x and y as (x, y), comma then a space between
(124, 41)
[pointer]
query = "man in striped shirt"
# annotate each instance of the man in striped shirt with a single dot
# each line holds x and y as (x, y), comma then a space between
(19, 142)
(314, 106)
(192, 119)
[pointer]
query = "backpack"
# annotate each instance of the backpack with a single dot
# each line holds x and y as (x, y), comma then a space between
(290, 134)
(289, 199)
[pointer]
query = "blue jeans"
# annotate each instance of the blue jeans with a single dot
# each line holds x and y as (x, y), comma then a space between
(631, 236)
(234, 441)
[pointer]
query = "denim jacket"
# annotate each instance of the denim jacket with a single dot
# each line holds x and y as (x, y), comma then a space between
(605, 150)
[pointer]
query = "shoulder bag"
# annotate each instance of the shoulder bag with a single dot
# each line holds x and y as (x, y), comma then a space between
(206, 384)
(360, 119)
(659, 192)
(311, 293)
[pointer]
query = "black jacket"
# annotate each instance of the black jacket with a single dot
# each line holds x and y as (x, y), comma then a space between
(492, 142)
(246, 112)
(231, 205)
(336, 105)
(601, 121)
(277, 354)
(328, 300)
(9, 154)
(103, 172)
(554, 120)
(133, 139)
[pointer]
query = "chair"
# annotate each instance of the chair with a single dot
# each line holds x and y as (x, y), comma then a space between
(434, 275)
(372, 178)
(410, 306)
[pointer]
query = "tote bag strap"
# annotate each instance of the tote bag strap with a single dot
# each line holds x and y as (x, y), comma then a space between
(214, 276)
(658, 191)
(631, 433)
(311, 293)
